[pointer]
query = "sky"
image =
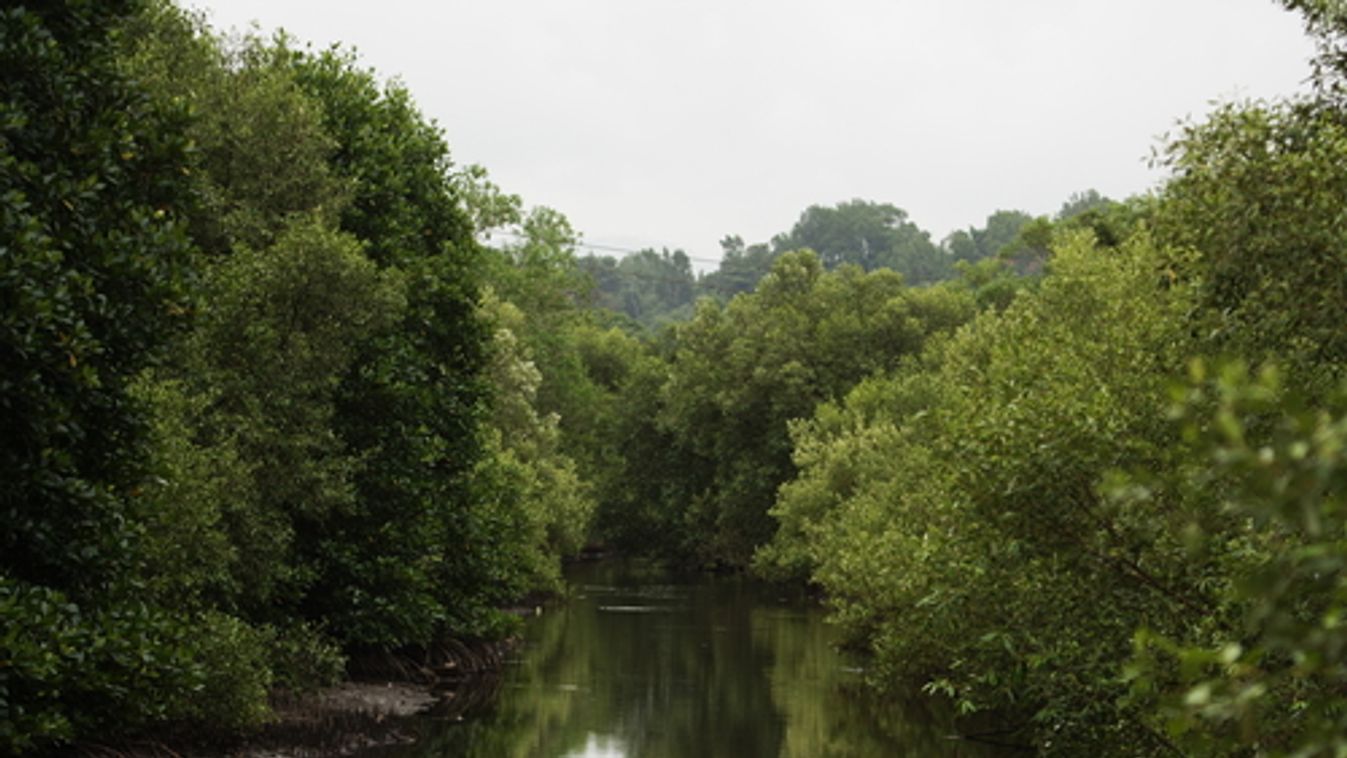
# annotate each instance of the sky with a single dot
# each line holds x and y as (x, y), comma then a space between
(663, 123)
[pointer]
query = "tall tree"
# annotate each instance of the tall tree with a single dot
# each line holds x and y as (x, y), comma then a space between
(93, 283)
(742, 372)
(651, 287)
(741, 268)
(961, 493)
(92, 277)
(975, 244)
(406, 563)
(870, 235)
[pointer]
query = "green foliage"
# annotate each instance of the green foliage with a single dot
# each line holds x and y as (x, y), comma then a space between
(554, 507)
(952, 510)
(258, 408)
(395, 567)
(992, 282)
(263, 154)
(741, 268)
(234, 661)
(869, 235)
(531, 506)
(1326, 21)
(540, 276)
(252, 460)
(652, 288)
(75, 670)
(1081, 203)
(544, 431)
(301, 658)
(318, 426)
(1024, 244)
(742, 372)
(225, 460)
(90, 282)
(657, 289)
(968, 520)
(646, 478)
(1274, 469)
(189, 500)
(1258, 193)
(1028, 253)
(976, 244)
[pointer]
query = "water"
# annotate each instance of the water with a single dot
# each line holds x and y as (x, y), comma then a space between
(639, 664)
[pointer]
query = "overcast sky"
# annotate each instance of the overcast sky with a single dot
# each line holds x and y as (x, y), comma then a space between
(671, 124)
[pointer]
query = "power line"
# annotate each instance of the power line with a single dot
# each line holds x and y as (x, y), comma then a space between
(694, 280)
(734, 278)
(611, 248)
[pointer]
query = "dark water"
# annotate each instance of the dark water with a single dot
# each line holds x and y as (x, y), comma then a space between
(641, 665)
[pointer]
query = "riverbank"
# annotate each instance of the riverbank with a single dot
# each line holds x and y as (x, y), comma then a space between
(334, 721)
(340, 720)
(380, 706)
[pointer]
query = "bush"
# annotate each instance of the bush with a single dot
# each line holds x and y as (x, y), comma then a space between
(302, 659)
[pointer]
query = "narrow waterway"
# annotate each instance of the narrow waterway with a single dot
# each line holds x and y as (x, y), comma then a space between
(641, 664)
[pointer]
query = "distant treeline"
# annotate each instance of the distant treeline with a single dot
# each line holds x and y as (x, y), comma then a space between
(658, 287)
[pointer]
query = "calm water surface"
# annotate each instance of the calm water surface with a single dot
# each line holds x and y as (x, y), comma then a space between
(639, 664)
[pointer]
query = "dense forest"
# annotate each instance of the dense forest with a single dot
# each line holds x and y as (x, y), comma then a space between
(281, 384)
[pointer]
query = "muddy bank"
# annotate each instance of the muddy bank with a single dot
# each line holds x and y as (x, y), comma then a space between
(388, 695)
(336, 721)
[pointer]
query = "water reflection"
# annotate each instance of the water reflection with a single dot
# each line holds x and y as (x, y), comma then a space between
(600, 747)
(637, 665)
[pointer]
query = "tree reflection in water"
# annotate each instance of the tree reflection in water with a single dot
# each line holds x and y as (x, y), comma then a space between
(639, 663)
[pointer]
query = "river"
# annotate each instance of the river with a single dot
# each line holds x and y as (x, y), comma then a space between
(641, 664)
